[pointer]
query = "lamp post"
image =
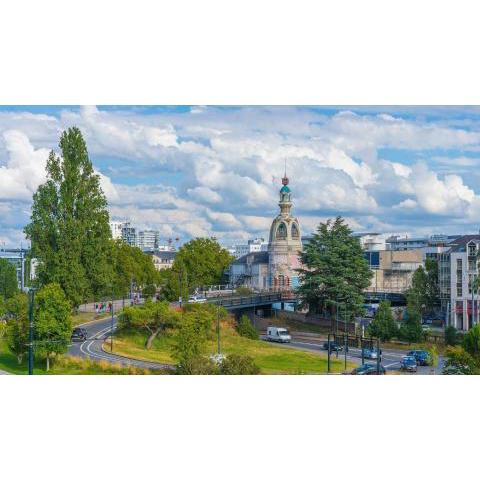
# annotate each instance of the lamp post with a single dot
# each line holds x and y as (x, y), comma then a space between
(30, 330)
(219, 350)
(111, 325)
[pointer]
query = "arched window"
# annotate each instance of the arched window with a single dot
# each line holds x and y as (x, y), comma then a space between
(295, 232)
(282, 232)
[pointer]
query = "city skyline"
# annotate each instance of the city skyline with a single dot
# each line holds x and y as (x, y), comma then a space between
(214, 171)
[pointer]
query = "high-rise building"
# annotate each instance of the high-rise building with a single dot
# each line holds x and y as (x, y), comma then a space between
(129, 234)
(116, 229)
(148, 240)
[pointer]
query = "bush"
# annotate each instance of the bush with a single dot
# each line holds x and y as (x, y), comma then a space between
(246, 329)
(243, 291)
(197, 365)
(459, 362)
(236, 364)
(451, 336)
(149, 290)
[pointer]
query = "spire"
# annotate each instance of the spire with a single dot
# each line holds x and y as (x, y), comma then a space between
(285, 178)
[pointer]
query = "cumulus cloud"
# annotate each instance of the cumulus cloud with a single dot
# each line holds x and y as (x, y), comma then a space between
(217, 171)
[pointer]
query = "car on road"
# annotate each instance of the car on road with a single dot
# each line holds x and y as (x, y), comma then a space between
(278, 334)
(408, 363)
(334, 347)
(79, 334)
(368, 369)
(196, 299)
(371, 353)
(422, 357)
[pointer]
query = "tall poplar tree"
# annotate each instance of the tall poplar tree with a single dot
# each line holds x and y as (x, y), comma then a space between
(335, 269)
(69, 228)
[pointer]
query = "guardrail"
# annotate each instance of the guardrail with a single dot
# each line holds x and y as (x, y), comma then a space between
(255, 299)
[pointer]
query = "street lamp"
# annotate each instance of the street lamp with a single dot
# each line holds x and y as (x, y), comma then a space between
(31, 298)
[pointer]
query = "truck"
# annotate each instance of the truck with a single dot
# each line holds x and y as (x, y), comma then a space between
(278, 334)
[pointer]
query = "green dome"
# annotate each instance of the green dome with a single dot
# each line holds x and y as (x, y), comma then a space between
(285, 189)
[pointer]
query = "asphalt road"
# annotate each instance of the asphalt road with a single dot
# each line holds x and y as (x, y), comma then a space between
(92, 347)
(390, 358)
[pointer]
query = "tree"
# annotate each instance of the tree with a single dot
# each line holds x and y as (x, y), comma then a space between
(432, 293)
(417, 293)
(334, 268)
(383, 325)
(17, 334)
(192, 336)
(451, 336)
(246, 329)
(471, 342)
(411, 328)
(199, 262)
(130, 264)
(69, 227)
(8, 279)
(153, 318)
(149, 290)
(52, 322)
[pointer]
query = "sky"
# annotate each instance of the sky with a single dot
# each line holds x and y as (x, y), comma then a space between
(193, 171)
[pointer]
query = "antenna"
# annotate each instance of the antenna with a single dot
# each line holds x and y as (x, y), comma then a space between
(285, 167)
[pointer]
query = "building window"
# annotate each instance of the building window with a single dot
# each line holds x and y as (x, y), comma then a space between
(281, 232)
(295, 232)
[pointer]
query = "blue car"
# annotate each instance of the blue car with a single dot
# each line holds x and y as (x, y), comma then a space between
(421, 357)
(409, 364)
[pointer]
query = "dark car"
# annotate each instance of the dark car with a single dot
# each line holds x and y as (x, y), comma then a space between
(79, 334)
(334, 347)
(421, 357)
(368, 369)
(371, 353)
(408, 363)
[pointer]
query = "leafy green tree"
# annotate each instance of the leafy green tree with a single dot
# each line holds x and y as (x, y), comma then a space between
(130, 264)
(411, 328)
(236, 364)
(8, 279)
(191, 338)
(334, 268)
(149, 290)
(471, 342)
(17, 334)
(383, 325)
(246, 329)
(152, 318)
(432, 297)
(451, 336)
(417, 293)
(199, 262)
(69, 227)
(52, 322)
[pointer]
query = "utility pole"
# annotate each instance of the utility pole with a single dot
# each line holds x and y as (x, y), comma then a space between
(346, 336)
(219, 350)
(30, 332)
(329, 351)
(111, 326)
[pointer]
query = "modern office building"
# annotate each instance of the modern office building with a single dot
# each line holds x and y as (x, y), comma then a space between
(255, 245)
(148, 239)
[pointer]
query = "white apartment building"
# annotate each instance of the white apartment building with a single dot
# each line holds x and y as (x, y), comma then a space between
(458, 267)
(371, 241)
(116, 229)
(252, 246)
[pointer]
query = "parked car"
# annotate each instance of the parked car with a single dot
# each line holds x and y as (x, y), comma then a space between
(79, 334)
(278, 334)
(408, 363)
(371, 353)
(421, 356)
(334, 347)
(368, 369)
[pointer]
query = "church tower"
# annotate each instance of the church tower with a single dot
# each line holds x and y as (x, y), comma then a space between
(285, 243)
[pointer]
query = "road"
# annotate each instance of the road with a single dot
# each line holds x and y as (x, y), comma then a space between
(390, 358)
(92, 348)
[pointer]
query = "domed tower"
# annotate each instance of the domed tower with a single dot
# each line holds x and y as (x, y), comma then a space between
(285, 243)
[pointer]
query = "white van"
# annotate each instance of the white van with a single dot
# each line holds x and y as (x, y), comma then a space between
(278, 334)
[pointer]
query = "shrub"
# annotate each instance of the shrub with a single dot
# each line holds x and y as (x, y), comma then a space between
(246, 329)
(236, 364)
(451, 336)
(197, 365)
(243, 291)
(459, 362)
(149, 290)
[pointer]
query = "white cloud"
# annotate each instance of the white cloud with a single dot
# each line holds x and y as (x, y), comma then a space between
(204, 194)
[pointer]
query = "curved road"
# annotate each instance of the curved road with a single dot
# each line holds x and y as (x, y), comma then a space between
(98, 331)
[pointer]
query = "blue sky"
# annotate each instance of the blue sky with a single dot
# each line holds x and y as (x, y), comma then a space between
(194, 170)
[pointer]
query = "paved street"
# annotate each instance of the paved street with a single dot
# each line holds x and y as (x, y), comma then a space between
(390, 358)
(92, 347)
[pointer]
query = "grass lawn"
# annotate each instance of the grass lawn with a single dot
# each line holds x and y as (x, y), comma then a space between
(272, 359)
(66, 366)
(84, 317)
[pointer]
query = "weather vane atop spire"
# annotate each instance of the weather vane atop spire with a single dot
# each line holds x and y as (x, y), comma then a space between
(285, 178)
